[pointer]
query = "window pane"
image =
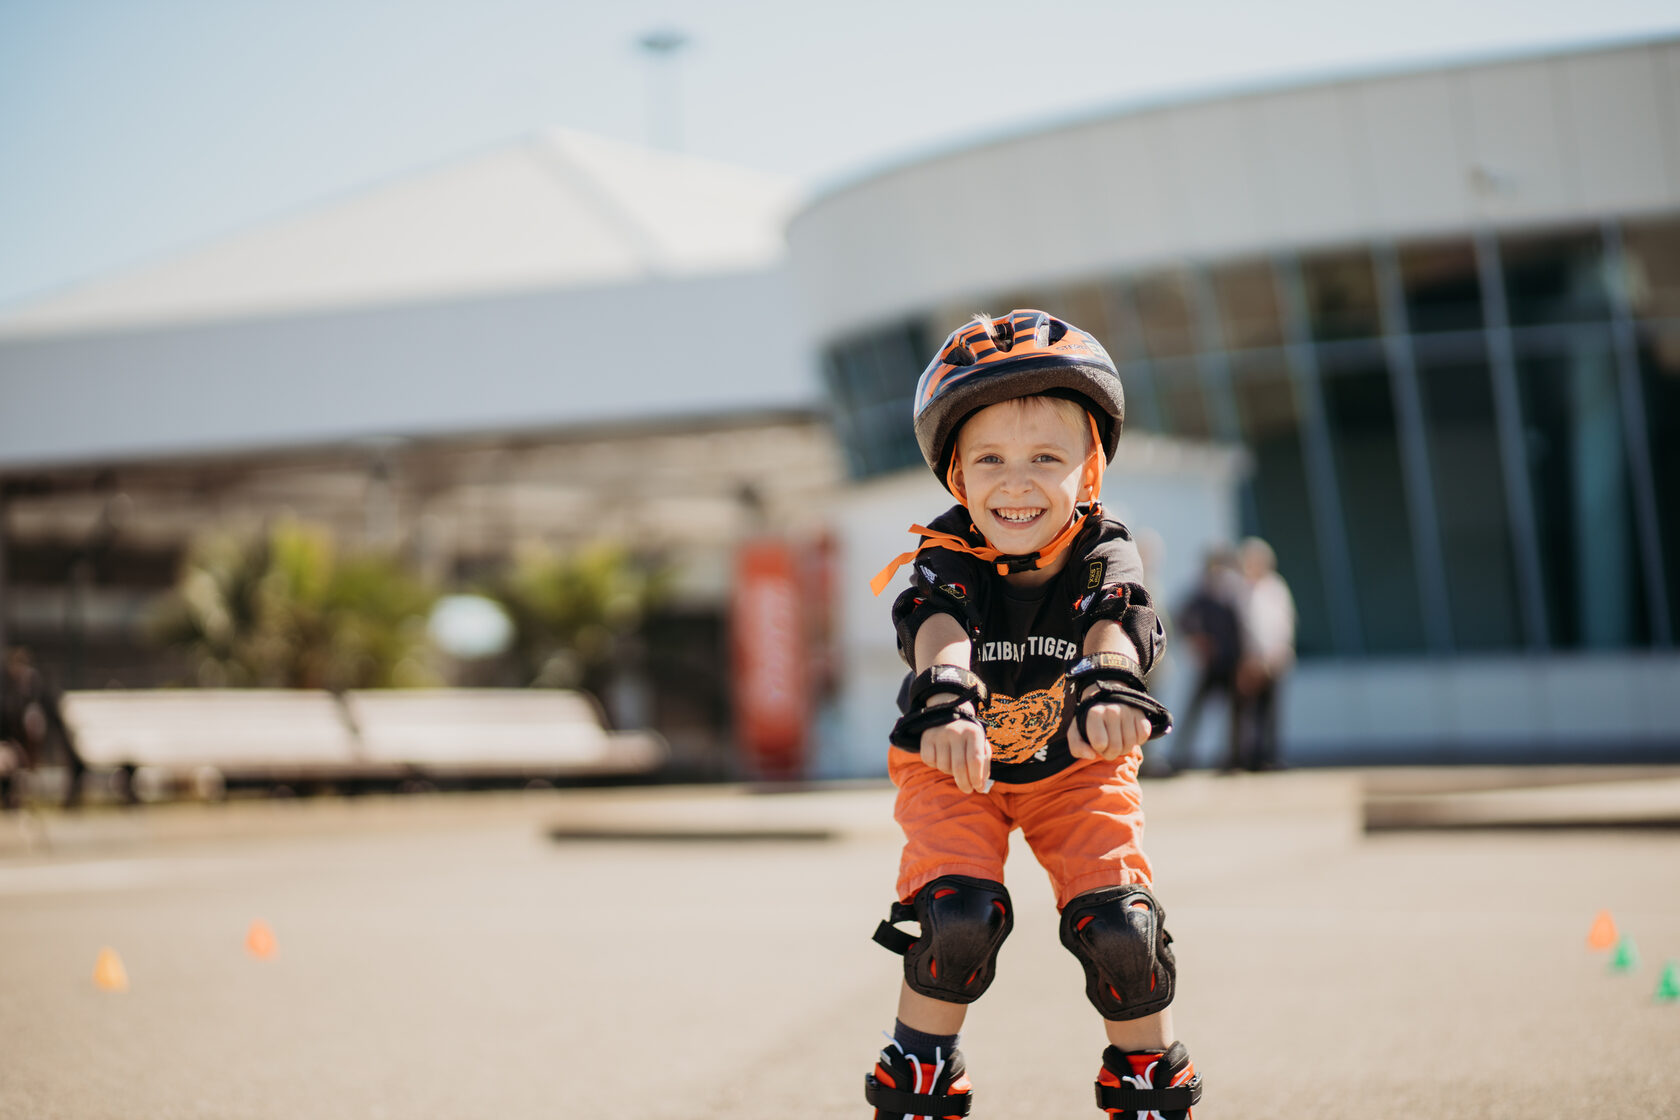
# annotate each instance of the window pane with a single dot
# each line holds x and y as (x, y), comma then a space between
(1143, 401)
(1277, 492)
(1183, 410)
(1653, 265)
(1163, 312)
(1086, 306)
(1441, 288)
(1555, 278)
(1659, 364)
(1094, 308)
(872, 381)
(1359, 409)
(1341, 294)
(1589, 557)
(1470, 504)
(1248, 309)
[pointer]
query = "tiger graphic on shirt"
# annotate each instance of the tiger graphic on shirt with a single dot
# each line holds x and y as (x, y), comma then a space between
(1020, 728)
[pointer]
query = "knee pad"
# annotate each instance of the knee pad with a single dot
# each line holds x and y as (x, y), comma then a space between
(1120, 935)
(964, 922)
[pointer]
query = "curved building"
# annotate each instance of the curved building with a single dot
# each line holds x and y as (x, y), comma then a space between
(1441, 311)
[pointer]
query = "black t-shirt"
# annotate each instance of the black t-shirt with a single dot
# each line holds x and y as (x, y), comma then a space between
(1024, 639)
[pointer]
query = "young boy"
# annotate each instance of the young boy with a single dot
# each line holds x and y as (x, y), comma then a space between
(1029, 634)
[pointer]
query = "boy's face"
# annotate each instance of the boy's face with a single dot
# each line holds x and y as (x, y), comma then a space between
(1021, 464)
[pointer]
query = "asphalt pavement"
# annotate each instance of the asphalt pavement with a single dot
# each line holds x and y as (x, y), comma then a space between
(704, 952)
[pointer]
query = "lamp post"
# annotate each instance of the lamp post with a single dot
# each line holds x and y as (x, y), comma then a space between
(664, 103)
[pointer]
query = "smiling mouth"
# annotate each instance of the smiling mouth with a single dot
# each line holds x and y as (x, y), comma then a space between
(1017, 516)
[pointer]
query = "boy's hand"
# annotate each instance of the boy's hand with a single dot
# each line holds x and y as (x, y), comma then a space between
(958, 749)
(1116, 730)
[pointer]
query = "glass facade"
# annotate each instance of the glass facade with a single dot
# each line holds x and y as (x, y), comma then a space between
(872, 381)
(1460, 444)
(1458, 407)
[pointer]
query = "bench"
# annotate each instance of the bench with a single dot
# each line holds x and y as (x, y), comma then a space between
(461, 732)
(245, 734)
(203, 738)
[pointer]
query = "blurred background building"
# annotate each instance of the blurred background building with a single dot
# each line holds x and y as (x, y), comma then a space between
(1419, 330)
(1440, 310)
(523, 347)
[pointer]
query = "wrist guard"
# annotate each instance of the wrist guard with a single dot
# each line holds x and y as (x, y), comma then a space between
(919, 715)
(1117, 681)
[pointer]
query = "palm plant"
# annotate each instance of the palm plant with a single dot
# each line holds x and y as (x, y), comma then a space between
(286, 610)
(573, 613)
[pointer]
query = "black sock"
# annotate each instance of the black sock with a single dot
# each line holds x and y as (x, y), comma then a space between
(923, 1045)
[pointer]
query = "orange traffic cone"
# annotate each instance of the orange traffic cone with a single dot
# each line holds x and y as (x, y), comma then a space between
(108, 972)
(259, 941)
(1603, 932)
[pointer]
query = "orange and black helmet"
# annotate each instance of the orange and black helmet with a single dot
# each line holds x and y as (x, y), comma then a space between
(1024, 353)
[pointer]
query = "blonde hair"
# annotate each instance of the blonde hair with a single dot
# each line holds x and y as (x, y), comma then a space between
(1071, 411)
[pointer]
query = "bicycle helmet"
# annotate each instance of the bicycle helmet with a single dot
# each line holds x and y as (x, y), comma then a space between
(984, 362)
(1024, 353)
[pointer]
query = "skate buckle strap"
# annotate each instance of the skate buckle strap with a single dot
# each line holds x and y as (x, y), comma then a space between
(1129, 1098)
(914, 1104)
(889, 936)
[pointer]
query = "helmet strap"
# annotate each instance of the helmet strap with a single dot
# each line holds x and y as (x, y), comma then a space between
(1095, 464)
(1005, 563)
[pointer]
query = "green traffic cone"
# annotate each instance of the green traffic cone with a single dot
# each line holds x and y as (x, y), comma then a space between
(1626, 957)
(1668, 984)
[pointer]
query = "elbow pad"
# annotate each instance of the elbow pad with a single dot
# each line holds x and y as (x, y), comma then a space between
(916, 605)
(1129, 605)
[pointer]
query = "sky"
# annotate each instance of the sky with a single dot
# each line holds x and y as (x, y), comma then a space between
(132, 130)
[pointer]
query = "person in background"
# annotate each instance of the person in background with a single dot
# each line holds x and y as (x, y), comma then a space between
(1210, 622)
(1268, 624)
(29, 720)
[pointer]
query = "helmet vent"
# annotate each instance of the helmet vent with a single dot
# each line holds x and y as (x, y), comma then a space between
(1057, 330)
(1005, 335)
(960, 355)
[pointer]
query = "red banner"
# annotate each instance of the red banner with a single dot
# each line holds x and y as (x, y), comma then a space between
(772, 701)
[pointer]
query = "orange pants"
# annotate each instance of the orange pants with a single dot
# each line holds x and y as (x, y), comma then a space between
(1084, 825)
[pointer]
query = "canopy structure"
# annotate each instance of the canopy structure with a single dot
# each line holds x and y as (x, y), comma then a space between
(564, 280)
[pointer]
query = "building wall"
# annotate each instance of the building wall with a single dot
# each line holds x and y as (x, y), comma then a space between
(557, 358)
(1542, 140)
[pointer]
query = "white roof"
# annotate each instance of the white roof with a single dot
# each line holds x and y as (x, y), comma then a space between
(561, 282)
(560, 209)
